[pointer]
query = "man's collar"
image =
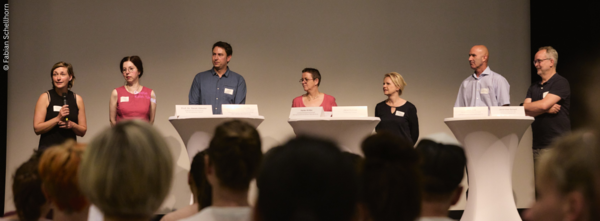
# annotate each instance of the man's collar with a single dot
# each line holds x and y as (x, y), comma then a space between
(485, 72)
(215, 72)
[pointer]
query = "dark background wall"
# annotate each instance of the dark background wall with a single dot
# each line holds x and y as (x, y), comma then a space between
(573, 29)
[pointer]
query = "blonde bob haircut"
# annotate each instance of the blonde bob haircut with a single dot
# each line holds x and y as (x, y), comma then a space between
(570, 164)
(397, 79)
(127, 170)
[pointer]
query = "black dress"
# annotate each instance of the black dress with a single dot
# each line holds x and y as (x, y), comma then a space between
(58, 135)
(403, 122)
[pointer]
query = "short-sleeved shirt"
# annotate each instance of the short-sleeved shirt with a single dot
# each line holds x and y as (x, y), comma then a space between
(547, 127)
(403, 123)
(133, 106)
(327, 104)
(209, 88)
(489, 89)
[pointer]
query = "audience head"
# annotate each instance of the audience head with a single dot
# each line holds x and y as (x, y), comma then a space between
(58, 169)
(306, 179)
(442, 169)
(391, 182)
(234, 154)
(28, 196)
(565, 180)
(397, 80)
(315, 75)
(60, 68)
(136, 61)
(127, 170)
(198, 181)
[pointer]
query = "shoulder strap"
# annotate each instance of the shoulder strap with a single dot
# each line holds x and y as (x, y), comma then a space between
(49, 99)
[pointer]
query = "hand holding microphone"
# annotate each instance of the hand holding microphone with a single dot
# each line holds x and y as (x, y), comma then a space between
(65, 107)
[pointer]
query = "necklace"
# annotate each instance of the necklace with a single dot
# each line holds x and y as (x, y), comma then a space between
(134, 91)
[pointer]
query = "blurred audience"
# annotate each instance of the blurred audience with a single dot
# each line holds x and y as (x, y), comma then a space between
(306, 179)
(58, 169)
(126, 171)
(232, 160)
(200, 188)
(565, 182)
(29, 200)
(390, 179)
(442, 169)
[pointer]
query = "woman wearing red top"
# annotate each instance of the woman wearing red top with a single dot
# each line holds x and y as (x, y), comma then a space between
(311, 78)
(132, 101)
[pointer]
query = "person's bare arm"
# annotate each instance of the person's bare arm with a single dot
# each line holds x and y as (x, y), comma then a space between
(79, 128)
(39, 125)
(542, 106)
(112, 108)
(152, 107)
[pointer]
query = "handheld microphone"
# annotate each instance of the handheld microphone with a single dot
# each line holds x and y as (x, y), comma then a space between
(65, 103)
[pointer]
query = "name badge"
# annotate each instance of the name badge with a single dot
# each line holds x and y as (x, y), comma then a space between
(544, 94)
(57, 108)
(399, 113)
(229, 91)
(485, 90)
(125, 99)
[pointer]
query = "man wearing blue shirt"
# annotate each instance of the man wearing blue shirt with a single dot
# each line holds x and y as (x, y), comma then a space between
(218, 85)
(484, 87)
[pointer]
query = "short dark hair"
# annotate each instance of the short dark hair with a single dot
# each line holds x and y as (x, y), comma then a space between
(314, 72)
(225, 46)
(27, 189)
(306, 179)
(203, 188)
(442, 167)
(136, 60)
(62, 64)
(391, 179)
(236, 153)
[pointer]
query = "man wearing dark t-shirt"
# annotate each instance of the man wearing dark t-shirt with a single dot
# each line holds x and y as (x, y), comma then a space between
(548, 101)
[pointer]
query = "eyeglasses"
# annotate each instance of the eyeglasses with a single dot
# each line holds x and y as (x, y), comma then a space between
(537, 61)
(304, 79)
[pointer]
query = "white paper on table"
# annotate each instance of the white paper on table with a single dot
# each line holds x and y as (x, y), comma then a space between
(193, 110)
(349, 111)
(306, 112)
(466, 112)
(249, 110)
(507, 111)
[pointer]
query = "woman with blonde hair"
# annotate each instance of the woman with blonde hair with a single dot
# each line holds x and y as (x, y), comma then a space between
(126, 171)
(398, 116)
(59, 113)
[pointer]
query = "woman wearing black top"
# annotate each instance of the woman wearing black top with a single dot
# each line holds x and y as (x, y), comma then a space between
(398, 116)
(59, 113)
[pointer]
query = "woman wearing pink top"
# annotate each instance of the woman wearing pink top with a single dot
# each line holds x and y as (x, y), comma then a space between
(311, 78)
(132, 101)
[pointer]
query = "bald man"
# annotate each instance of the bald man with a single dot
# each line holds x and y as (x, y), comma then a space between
(484, 87)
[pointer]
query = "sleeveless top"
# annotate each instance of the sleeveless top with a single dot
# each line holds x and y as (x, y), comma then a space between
(133, 106)
(58, 135)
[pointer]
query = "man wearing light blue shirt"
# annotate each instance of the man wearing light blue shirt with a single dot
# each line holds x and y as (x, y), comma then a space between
(218, 85)
(484, 87)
